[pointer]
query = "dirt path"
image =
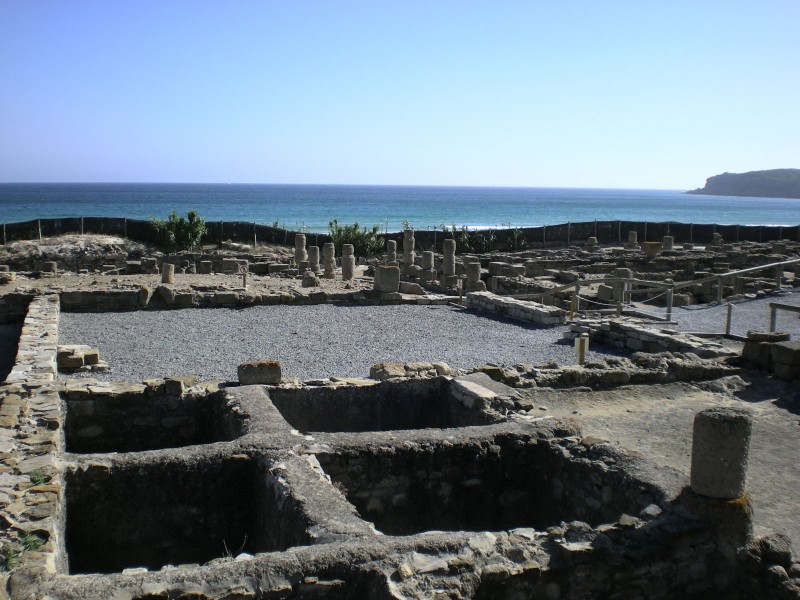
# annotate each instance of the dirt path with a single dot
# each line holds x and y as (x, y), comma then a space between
(656, 421)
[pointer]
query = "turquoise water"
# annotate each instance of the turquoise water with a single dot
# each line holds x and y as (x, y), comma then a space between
(312, 206)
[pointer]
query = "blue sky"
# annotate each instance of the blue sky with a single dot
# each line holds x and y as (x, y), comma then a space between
(633, 94)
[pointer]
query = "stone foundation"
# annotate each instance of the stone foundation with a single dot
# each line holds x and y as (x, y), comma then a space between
(519, 310)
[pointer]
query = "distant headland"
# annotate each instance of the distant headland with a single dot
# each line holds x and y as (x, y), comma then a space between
(774, 183)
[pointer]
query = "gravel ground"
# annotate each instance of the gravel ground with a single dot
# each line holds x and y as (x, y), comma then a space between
(310, 341)
(747, 315)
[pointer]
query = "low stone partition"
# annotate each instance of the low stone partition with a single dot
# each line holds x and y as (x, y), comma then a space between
(30, 439)
(634, 334)
(518, 310)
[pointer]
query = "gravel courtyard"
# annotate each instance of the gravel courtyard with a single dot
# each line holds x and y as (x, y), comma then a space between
(316, 341)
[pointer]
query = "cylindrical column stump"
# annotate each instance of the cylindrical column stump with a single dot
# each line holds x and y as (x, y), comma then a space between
(391, 251)
(720, 450)
(313, 259)
(348, 261)
(300, 254)
(167, 273)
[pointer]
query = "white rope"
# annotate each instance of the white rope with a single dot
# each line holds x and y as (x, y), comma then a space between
(585, 299)
(649, 300)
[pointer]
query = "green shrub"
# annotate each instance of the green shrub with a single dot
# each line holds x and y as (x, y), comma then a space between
(365, 241)
(178, 233)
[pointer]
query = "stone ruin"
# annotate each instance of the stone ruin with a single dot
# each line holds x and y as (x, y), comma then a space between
(419, 483)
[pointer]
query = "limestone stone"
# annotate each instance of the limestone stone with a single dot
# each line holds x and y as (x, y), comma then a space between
(313, 259)
(167, 273)
(720, 452)
(260, 372)
(300, 254)
(387, 279)
(391, 251)
(329, 260)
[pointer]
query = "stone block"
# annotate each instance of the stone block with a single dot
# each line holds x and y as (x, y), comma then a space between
(787, 353)
(411, 288)
(259, 372)
(605, 293)
(278, 268)
(176, 386)
(387, 279)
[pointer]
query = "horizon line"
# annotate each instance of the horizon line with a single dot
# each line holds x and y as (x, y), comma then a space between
(392, 185)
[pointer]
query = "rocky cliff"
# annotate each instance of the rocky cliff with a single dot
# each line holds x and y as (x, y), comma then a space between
(775, 183)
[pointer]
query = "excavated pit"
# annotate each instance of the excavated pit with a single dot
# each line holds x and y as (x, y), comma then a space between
(387, 406)
(137, 422)
(176, 512)
(509, 482)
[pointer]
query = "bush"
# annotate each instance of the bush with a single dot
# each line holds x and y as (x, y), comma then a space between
(178, 233)
(365, 241)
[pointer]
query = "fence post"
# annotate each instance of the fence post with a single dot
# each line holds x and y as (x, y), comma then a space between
(4, 234)
(645, 231)
(577, 297)
(569, 230)
(779, 278)
(691, 233)
(39, 223)
(719, 290)
(125, 228)
(81, 224)
(669, 304)
(619, 232)
(773, 319)
(728, 319)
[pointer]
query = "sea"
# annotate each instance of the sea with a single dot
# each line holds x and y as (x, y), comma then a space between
(312, 207)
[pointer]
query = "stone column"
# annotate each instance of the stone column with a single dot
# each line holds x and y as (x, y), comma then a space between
(205, 267)
(387, 279)
(474, 283)
(633, 240)
(300, 254)
(428, 269)
(348, 261)
(667, 243)
(313, 259)
(720, 450)
(167, 273)
(408, 250)
(329, 260)
(591, 242)
(449, 278)
(391, 251)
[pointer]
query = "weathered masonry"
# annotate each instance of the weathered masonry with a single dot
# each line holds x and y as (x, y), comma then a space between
(396, 489)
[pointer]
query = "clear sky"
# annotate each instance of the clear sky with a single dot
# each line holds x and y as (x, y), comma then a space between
(573, 93)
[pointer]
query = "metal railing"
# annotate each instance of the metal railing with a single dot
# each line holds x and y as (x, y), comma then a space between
(629, 287)
(774, 307)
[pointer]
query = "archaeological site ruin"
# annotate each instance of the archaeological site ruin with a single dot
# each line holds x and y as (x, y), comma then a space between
(634, 435)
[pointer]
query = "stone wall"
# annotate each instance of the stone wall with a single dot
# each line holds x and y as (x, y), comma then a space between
(30, 440)
(773, 352)
(633, 334)
(129, 417)
(519, 310)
